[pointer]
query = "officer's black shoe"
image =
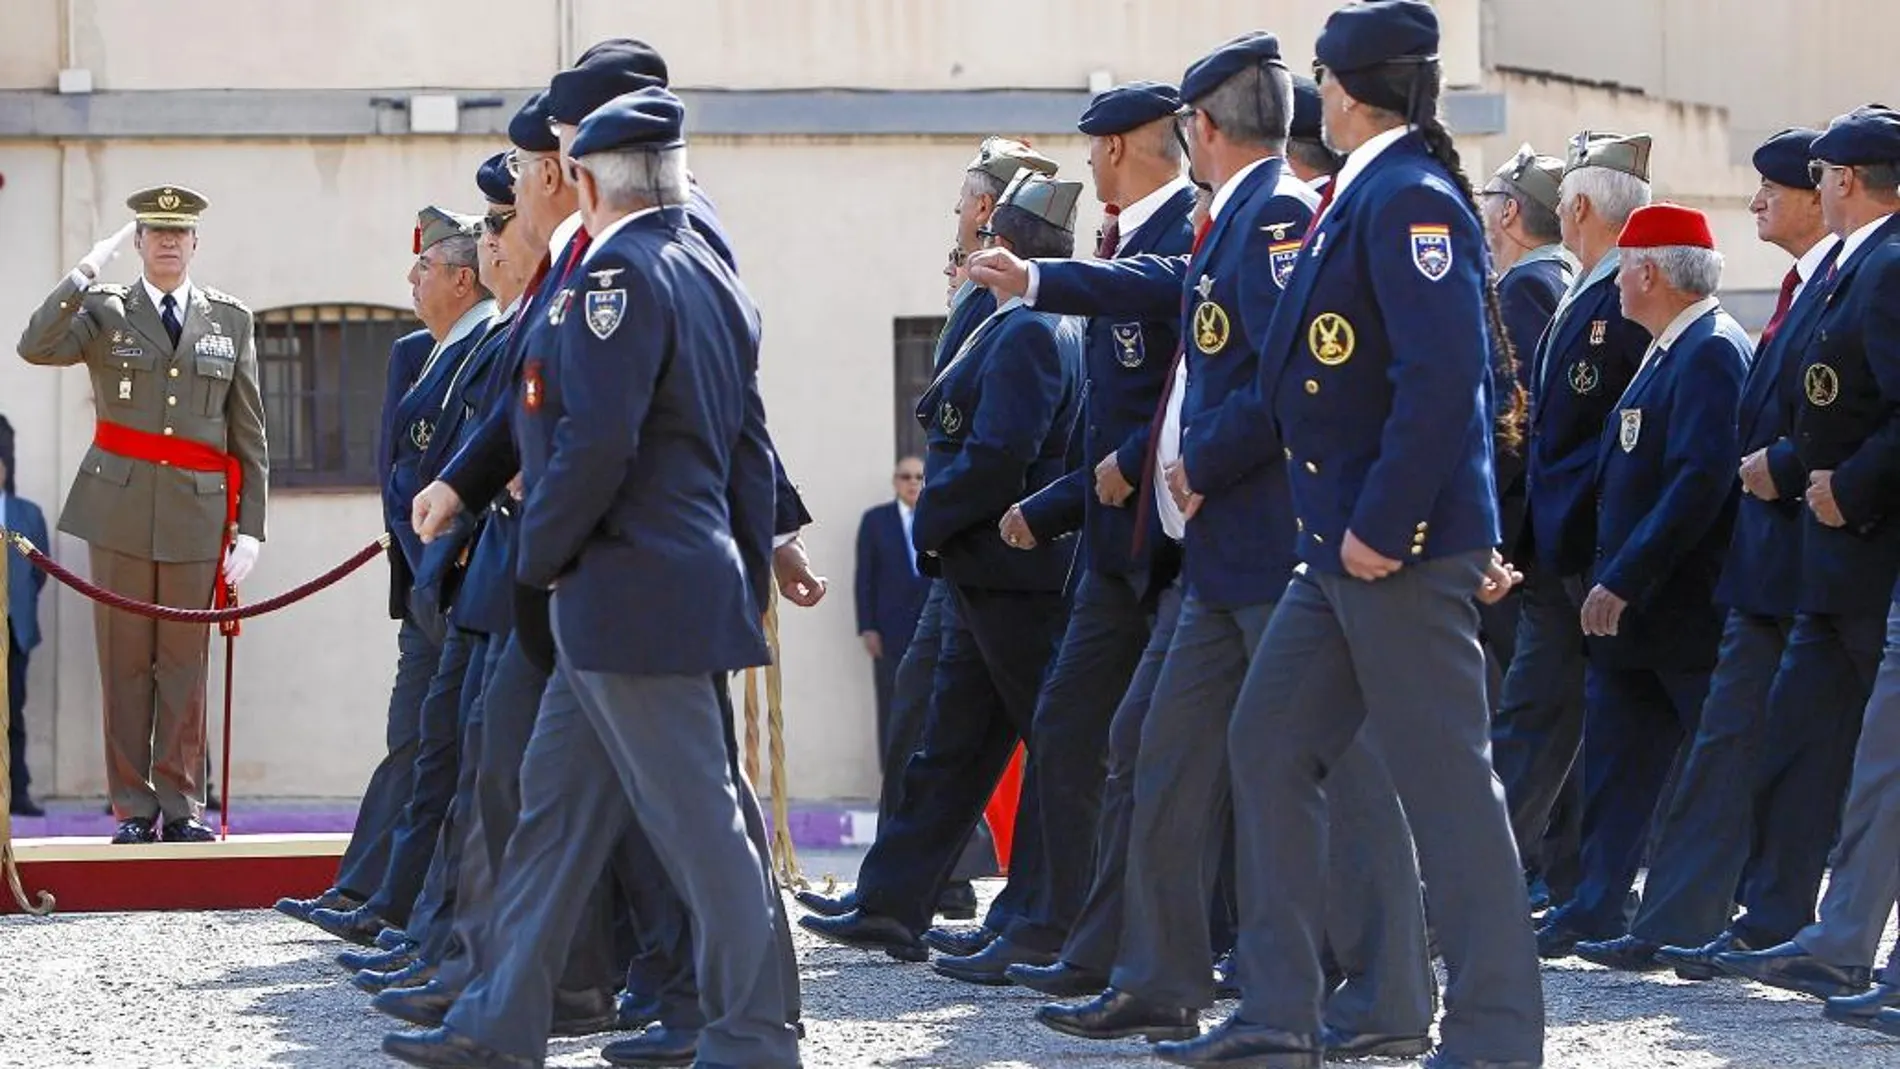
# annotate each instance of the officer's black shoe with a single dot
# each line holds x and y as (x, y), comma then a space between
(23, 805)
(586, 1013)
(414, 974)
(959, 942)
(868, 931)
(827, 905)
(656, 1046)
(990, 965)
(1440, 1060)
(426, 1005)
(358, 926)
(634, 1010)
(957, 902)
(393, 938)
(134, 832)
(1627, 953)
(189, 830)
(1557, 940)
(1860, 1010)
(376, 960)
(1118, 1015)
(1060, 980)
(1698, 963)
(1236, 1042)
(1226, 982)
(1345, 1046)
(300, 908)
(1887, 1024)
(440, 1048)
(1793, 969)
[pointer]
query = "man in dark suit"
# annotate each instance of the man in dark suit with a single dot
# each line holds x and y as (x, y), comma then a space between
(1666, 497)
(890, 589)
(23, 620)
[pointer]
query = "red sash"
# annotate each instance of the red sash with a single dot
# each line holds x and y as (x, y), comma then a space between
(168, 451)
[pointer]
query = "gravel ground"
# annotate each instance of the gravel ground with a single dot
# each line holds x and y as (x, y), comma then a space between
(240, 989)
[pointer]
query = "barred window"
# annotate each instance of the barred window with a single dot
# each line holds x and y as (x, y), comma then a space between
(323, 369)
(913, 354)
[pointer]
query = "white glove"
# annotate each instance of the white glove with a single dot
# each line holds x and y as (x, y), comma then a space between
(240, 559)
(95, 261)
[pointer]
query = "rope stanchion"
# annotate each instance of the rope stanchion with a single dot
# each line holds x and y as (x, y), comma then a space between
(44, 903)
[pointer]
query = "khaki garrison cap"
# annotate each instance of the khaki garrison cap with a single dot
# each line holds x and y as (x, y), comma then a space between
(1536, 177)
(167, 207)
(1617, 152)
(436, 224)
(1002, 157)
(1045, 198)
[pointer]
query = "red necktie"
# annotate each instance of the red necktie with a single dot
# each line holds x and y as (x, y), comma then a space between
(1144, 490)
(1111, 238)
(1782, 302)
(1325, 199)
(575, 251)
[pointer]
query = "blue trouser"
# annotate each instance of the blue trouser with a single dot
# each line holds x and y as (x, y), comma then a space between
(432, 922)
(437, 750)
(366, 859)
(1538, 730)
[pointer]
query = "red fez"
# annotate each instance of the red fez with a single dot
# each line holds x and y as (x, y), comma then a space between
(1666, 224)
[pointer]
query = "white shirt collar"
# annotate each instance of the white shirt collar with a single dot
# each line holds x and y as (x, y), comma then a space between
(1679, 324)
(1361, 158)
(905, 511)
(1226, 192)
(1810, 261)
(182, 295)
(1859, 237)
(1133, 216)
(1320, 182)
(563, 233)
(611, 229)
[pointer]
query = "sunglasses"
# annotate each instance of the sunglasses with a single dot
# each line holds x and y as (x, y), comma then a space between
(495, 222)
(1319, 71)
(518, 163)
(1818, 169)
(911, 477)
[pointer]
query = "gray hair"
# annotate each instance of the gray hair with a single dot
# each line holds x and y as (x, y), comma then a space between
(1538, 221)
(1254, 107)
(1614, 195)
(459, 251)
(631, 176)
(980, 183)
(1883, 178)
(1689, 268)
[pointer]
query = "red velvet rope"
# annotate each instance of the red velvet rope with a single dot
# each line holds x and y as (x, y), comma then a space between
(192, 616)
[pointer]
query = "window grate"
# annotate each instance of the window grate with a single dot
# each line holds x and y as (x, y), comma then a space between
(323, 369)
(913, 355)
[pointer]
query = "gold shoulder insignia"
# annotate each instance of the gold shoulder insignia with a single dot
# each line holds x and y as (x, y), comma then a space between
(224, 298)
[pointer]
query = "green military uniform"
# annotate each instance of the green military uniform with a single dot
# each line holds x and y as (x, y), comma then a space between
(155, 526)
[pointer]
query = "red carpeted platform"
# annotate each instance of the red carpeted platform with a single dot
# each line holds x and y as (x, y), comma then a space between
(243, 872)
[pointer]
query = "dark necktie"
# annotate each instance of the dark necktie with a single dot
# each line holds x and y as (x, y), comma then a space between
(581, 240)
(169, 317)
(1111, 237)
(1782, 302)
(1325, 199)
(1144, 489)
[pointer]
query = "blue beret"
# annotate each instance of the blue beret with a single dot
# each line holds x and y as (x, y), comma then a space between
(1306, 109)
(1783, 158)
(606, 71)
(1121, 109)
(1868, 134)
(649, 118)
(1367, 34)
(528, 130)
(1247, 50)
(493, 180)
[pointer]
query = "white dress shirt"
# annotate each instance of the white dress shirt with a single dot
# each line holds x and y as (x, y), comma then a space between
(181, 294)
(1660, 346)
(1810, 261)
(905, 515)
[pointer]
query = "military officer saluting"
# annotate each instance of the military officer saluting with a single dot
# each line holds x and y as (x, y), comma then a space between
(174, 483)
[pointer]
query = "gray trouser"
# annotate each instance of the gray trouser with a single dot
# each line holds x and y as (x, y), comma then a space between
(1865, 881)
(1409, 643)
(367, 857)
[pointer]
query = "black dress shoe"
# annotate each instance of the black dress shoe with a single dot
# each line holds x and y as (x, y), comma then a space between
(358, 926)
(300, 908)
(1060, 980)
(1236, 1042)
(189, 830)
(1344, 1046)
(1793, 969)
(440, 1048)
(426, 1005)
(1698, 963)
(1887, 1024)
(634, 1011)
(1226, 981)
(134, 832)
(827, 905)
(957, 902)
(868, 931)
(1626, 952)
(392, 938)
(989, 965)
(1440, 1060)
(415, 974)
(356, 961)
(658, 1045)
(959, 942)
(23, 805)
(1556, 940)
(583, 1013)
(1118, 1015)
(1860, 1010)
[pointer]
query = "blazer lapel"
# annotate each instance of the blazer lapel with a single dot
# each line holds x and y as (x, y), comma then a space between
(144, 319)
(1170, 213)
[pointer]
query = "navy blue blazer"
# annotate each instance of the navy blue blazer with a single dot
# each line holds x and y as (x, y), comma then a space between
(406, 356)
(1584, 364)
(1527, 298)
(1128, 358)
(890, 590)
(648, 470)
(972, 305)
(412, 431)
(1379, 366)
(24, 581)
(997, 422)
(1666, 471)
(1763, 572)
(1847, 421)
